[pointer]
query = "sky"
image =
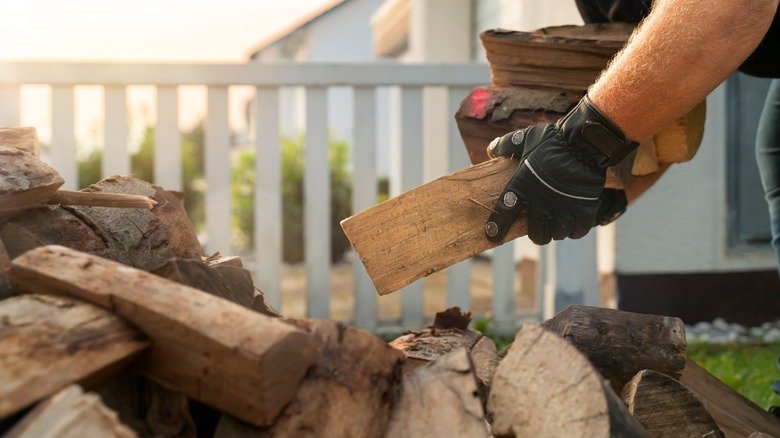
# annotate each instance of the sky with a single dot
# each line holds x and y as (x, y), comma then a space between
(142, 30)
(203, 31)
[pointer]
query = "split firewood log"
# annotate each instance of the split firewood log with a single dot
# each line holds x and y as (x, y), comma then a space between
(70, 413)
(439, 399)
(145, 239)
(5, 269)
(432, 226)
(620, 344)
(241, 362)
(560, 57)
(546, 387)
(48, 342)
(735, 415)
(666, 408)
(448, 333)
(349, 391)
(25, 181)
(224, 280)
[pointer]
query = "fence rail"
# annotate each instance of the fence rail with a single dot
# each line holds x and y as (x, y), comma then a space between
(364, 79)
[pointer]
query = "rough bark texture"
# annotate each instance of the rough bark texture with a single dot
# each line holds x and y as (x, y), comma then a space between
(70, 414)
(620, 344)
(224, 280)
(25, 181)
(145, 239)
(350, 390)
(440, 399)
(666, 408)
(546, 387)
(428, 344)
(736, 415)
(48, 342)
(241, 362)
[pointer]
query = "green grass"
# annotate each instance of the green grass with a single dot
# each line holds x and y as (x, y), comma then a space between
(749, 369)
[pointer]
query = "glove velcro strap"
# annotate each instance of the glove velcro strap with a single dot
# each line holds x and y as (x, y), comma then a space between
(607, 142)
(504, 214)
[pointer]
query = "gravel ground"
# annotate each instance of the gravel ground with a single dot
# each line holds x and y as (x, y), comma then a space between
(719, 331)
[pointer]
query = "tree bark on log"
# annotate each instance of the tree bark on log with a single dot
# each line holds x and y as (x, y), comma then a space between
(217, 352)
(620, 344)
(541, 371)
(48, 342)
(350, 390)
(145, 239)
(736, 415)
(666, 408)
(439, 399)
(222, 280)
(70, 413)
(25, 181)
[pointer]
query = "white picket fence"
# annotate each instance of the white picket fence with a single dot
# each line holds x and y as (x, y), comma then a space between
(458, 79)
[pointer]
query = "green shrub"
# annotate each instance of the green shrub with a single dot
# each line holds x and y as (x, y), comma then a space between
(292, 157)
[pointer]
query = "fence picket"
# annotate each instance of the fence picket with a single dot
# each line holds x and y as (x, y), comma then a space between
(218, 172)
(411, 177)
(10, 109)
(268, 195)
(364, 194)
(316, 209)
(167, 140)
(116, 159)
(458, 276)
(63, 140)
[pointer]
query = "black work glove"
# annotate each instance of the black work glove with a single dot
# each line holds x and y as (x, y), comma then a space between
(561, 176)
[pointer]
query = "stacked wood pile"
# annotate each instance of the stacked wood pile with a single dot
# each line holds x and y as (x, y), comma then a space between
(114, 323)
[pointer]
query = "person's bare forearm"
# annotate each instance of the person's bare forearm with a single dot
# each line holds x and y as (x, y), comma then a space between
(679, 54)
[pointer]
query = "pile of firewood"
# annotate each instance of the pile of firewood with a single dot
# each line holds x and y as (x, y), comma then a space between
(113, 322)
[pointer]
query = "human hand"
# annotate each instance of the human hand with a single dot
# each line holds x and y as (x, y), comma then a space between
(561, 176)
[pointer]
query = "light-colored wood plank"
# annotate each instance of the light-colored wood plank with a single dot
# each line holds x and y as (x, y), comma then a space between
(48, 342)
(63, 139)
(218, 171)
(316, 209)
(268, 195)
(70, 413)
(97, 199)
(736, 415)
(458, 275)
(411, 176)
(431, 227)
(167, 140)
(25, 139)
(242, 362)
(116, 157)
(364, 195)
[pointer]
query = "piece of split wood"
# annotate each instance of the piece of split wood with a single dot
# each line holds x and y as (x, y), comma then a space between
(239, 361)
